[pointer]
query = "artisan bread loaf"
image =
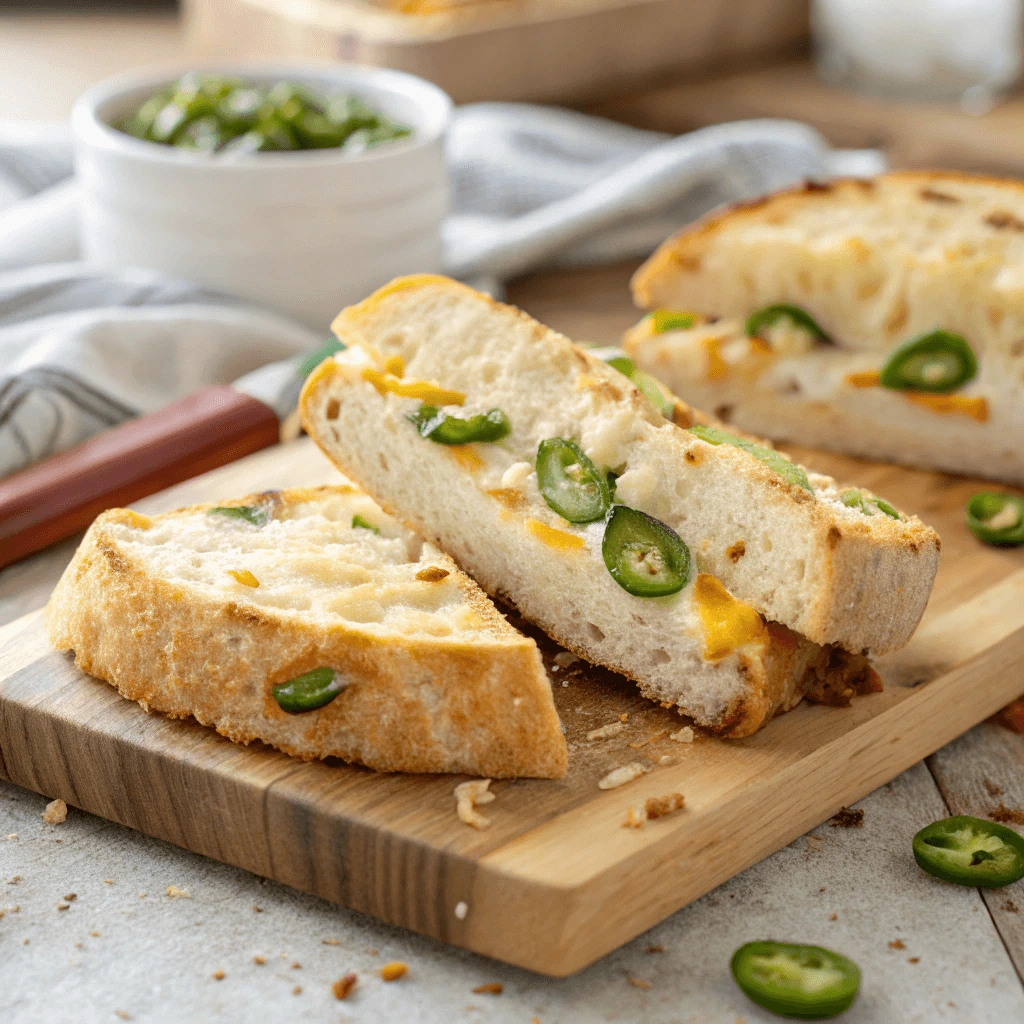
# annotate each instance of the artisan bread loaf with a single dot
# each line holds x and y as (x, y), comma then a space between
(794, 554)
(876, 263)
(205, 610)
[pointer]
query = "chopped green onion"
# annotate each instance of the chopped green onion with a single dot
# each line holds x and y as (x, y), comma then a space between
(359, 523)
(251, 514)
(855, 498)
(772, 459)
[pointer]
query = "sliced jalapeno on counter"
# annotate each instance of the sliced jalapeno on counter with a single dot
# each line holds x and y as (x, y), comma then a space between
(855, 498)
(772, 459)
(663, 320)
(359, 523)
(767, 317)
(997, 518)
(655, 392)
(570, 483)
(442, 428)
(970, 851)
(937, 363)
(645, 557)
(251, 514)
(309, 691)
(807, 982)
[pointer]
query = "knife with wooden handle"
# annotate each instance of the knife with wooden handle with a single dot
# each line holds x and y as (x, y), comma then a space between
(57, 498)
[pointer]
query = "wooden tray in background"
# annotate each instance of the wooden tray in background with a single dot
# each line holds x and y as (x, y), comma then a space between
(556, 881)
(537, 50)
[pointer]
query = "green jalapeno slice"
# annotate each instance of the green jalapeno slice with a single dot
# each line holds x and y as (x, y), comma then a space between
(936, 363)
(970, 851)
(570, 483)
(772, 459)
(359, 523)
(767, 317)
(441, 428)
(807, 982)
(663, 320)
(653, 390)
(644, 556)
(316, 357)
(997, 518)
(855, 498)
(251, 514)
(309, 691)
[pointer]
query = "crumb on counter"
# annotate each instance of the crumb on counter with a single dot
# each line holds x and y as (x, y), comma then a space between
(684, 735)
(1006, 815)
(897, 944)
(297, 991)
(342, 988)
(620, 776)
(638, 982)
(330, 942)
(634, 818)
(467, 796)
(175, 893)
(259, 959)
(654, 947)
(394, 970)
(606, 731)
(55, 812)
(493, 988)
(218, 975)
(650, 739)
(847, 818)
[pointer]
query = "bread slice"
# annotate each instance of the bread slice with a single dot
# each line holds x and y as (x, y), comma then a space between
(876, 263)
(800, 557)
(200, 612)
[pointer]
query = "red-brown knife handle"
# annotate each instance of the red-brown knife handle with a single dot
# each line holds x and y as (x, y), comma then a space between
(56, 498)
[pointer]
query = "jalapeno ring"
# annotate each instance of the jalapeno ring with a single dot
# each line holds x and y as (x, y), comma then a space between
(644, 556)
(769, 316)
(570, 483)
(996, 518)
(936, 363)
(970, 851)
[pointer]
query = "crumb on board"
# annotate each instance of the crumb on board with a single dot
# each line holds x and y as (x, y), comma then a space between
(297, 991)
(342, 988)
(620, 776)
(467, 796)
(54, 813)
(218, 975)
(654, 947)
(14, 880)
(175, 893)
(665, 760)
(661, 806)
(847, 818)
(991, 788)
(606, 731)
(108, 881)
(634, 818)
(394, 970)
(259, 960)
(11, 836)
(1010, 907)
(296, 966)
(71, 897)
(1006, 815)
(832, 917)
(638, 982)
(10, 910)
(493, 988)
(461, 910)
(897, 944)
(649, 739)
(624, 717)
(913, 959)
(63, 906)
(684, 735)
(256, 909)
(330, 942)
(95, 935)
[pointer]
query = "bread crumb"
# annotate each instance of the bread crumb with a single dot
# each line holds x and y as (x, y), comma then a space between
(256, 909)
(71, 897)
(990, 787)
(259, 960)
(620, 776)
(296, 966)
(1010, 907)
(53, 814)
(638, 982)
(371, 951)
(15, 879)
(467, 796)
(218, 975)
(913, 959)
(606, 731)
(665, 760)
(649, 739)
(142, 895)
(634, 818)
(1007, 815)
(330, 942)
(685, 735)
(461, 910)
(624, 716)
(342, 988)
(10, 836)
(846, 818)
(297, 991)
(832, 917)
(123, 1014)
(95, 935)
(897, 944)
(393, 971)
(563, 659)
(108, 881)
(12, 910)
(63, 906)
(493, 988)
(661, 806)
(177, 894)
(654, 947)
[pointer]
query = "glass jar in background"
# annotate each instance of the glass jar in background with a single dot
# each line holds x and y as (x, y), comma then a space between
(965, 51)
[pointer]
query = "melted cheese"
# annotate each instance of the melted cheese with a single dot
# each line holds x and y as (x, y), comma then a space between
(244, 577)
(863, 379)
(963, 405)
(465, 455)
(718, 368)
(557, 539)
(728, 623)
(433, 394)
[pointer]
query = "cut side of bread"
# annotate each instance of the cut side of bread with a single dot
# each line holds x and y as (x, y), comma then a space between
(204, 611)
(820, 572)
(876, 263)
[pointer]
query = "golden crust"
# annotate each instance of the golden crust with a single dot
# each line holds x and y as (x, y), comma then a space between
(414, 704)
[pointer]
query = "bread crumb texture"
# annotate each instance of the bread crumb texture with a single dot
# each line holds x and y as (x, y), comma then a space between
(467, 796)
(620, 776)
(55, 813)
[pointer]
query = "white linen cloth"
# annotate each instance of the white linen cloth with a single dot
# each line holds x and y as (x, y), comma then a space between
(83, 348)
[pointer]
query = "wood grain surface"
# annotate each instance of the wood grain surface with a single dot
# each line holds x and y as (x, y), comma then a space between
(556, 881)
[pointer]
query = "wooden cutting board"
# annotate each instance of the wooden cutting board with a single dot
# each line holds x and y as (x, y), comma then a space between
(556, 881)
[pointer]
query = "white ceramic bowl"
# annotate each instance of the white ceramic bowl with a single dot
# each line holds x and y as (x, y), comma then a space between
(304, 233)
